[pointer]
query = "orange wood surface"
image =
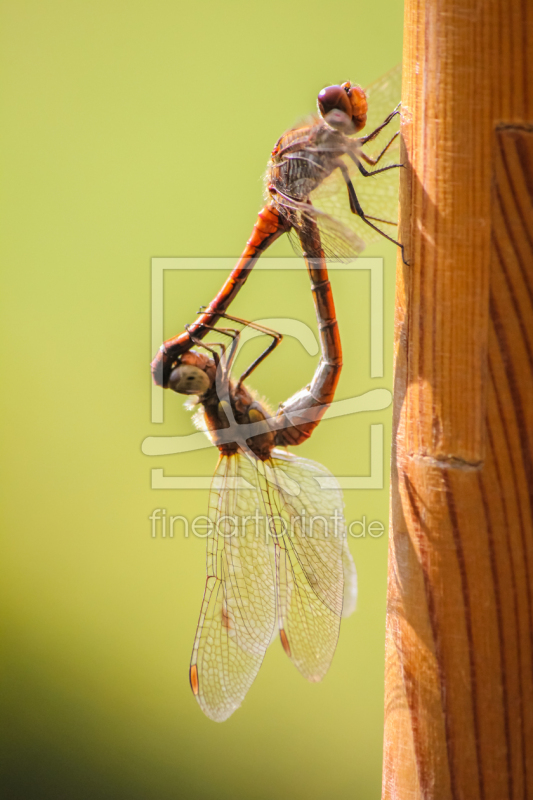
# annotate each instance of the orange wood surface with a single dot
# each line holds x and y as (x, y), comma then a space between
(459, 654)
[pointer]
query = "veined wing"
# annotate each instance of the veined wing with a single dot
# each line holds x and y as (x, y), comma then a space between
(350, 581)
(377, 194)
(339, 241)
(266, 513)
(312, 559)
(344, 235)
(238, 618)
(383, 96)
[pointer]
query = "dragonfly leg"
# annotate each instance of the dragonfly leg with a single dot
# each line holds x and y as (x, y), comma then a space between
(276, 339)
(245, 322)
(231, 332)
(355, 207)
(210, 347)
(364, 172)
(368, 138)
(272, 346)
(374, 161)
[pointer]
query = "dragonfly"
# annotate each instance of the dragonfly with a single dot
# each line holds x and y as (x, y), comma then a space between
(322, 176)
(311, 580)
(277, 558)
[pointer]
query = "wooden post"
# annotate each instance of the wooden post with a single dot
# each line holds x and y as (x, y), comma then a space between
(459, 658)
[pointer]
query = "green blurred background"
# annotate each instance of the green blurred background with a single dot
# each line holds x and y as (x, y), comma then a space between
(134, 130)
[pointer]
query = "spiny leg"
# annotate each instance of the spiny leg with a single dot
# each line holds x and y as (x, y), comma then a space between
(355, 207)
(374, 161)
(247, 323)
(276, 339)
(379, 219)
(233, 334)
(368, 138)
(272, 346)
(364, 172)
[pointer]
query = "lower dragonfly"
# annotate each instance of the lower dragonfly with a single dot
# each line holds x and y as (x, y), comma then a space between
(312, 168)
(291, 571)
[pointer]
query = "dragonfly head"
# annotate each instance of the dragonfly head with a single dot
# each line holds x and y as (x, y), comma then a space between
(187, 379)
(343, 107)
(192, 374)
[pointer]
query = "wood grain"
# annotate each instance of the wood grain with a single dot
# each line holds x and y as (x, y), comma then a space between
(459, 659)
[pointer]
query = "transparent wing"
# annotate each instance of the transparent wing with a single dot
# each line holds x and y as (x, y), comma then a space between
(311, 556)
(266, 515)
(238, 616)
(350, 582)
(377, 194)
(339, 241)
(383, 96)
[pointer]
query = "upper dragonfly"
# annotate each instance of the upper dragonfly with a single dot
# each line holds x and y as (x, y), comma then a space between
(316, 176)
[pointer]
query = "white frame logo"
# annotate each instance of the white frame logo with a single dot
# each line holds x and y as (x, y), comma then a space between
(373, 400)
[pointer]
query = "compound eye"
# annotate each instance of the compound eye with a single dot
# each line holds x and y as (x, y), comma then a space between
(359, 105)
(334, 98)
(347, 99)
(187, 379)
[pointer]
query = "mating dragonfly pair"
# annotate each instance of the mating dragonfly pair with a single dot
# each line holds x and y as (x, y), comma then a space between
(278, 560)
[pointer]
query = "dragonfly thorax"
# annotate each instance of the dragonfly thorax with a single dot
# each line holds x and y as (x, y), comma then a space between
(228, 416)
(303, 158)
